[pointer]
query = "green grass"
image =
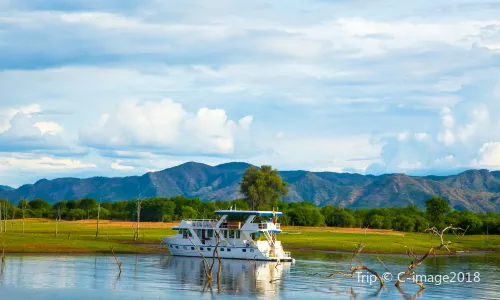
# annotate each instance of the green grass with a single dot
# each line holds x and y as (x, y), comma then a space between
(392, 242)
(39, 237)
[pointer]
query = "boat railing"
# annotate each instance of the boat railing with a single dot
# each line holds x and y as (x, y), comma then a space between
(287, 254)
(266, 225)
(203, 223)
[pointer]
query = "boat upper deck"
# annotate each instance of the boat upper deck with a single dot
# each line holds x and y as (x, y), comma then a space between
(258, 213)
(268, 225)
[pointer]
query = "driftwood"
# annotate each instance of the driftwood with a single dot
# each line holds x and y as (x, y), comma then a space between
(354, 269)
(410, 272)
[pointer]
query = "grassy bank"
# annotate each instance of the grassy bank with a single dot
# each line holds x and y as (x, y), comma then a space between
(39, 237)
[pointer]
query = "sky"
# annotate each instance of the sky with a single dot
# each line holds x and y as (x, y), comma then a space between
(124, 87)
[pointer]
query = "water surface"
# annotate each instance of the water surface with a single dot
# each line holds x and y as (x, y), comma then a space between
(165, 277)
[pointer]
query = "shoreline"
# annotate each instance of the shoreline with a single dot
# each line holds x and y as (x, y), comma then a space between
(300, 250)
(453, 253)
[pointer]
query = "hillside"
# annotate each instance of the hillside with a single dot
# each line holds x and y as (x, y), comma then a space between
(5, 188)
(476, 190)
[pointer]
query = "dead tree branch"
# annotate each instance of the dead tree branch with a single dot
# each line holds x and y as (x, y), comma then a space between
(118, 263)
(3, 254)
(207, 267)
(354, 269)
(418, 261)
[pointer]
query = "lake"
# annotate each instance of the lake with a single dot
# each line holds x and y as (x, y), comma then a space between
(166, 277)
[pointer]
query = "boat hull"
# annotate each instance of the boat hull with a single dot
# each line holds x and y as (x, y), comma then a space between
(225, 252)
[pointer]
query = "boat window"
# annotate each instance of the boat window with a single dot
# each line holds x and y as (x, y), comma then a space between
(237, 234)
(210, 233)
(184, 247)
(186, 233)
(209, 249)
(225, 234)
(251, 250)
(171, 246)
(231, 234)
(198, 232)
(228, 249)
(244, 250)
(221, 249)
(176, 247)
(192, 248)
(201, 249)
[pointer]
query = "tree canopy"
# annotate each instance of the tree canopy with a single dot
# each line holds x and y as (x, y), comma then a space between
(263, 187)
(436, 209)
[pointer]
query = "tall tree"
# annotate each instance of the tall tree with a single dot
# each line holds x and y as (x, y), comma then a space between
(436, 209)
(263, 187)
(87, 204)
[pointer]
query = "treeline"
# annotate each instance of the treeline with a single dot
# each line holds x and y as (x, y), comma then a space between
(409, 219)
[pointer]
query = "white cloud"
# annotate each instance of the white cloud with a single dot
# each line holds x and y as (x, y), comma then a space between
(403, 136)
(321, 154)
(489, 156)
(245, 122)
(421, 136)
(478, 120)
(165, 126)
(6, 115)
(46, 163)
(48, 127)
(447, 136)
(134, 123)
(118, 166)
(409, 166)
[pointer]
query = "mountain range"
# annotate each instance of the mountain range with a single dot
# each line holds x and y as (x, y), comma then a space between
(475, 190)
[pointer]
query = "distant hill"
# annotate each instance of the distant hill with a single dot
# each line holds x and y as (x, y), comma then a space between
(5, 188)
(476, 190)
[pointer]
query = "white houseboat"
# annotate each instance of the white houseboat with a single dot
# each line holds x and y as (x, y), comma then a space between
(243, 239)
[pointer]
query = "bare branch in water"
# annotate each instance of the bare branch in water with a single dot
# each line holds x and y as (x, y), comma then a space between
(118, 263)
(3, 253)
(354, 269)
(418, 261)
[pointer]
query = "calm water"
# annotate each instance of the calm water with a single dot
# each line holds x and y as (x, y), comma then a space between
(164, 277)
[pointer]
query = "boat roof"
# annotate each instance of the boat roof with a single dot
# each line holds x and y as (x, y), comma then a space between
(260, 213)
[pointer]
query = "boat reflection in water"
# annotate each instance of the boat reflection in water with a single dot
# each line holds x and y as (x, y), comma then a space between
(237, 276)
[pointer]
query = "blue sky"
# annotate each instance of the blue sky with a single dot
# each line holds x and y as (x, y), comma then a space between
(116, 88)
